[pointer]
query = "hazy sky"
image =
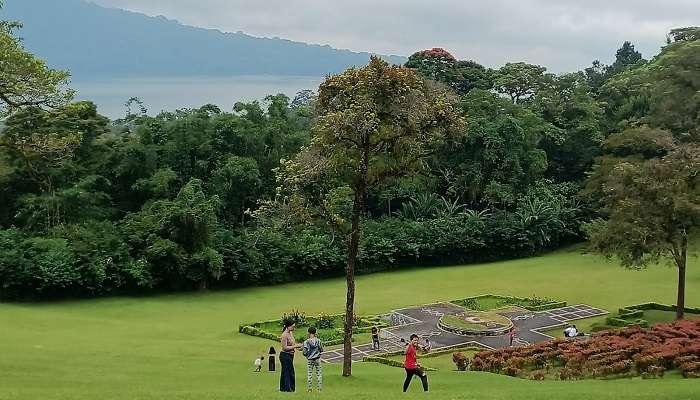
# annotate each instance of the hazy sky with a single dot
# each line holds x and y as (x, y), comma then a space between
(560, 34)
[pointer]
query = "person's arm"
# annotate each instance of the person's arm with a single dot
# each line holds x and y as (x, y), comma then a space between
(320, 346)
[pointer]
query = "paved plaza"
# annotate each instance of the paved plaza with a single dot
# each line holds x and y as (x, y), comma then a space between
(423, 321)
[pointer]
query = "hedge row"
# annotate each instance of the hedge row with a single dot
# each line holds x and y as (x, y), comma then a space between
(632, 315)
(389, 362)
(549, 306)
(627, 352)
(384, 357)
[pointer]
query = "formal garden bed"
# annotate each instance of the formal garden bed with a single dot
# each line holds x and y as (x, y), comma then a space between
(476, 323)
(329, 327)
(626, 352)
(644, 315)
(486, 302)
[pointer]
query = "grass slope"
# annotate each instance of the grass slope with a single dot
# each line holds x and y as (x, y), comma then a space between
(186, 346)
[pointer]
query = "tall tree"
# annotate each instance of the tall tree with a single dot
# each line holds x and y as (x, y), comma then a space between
(374, 124)
(688, 33)
(661, 93)
(500, 157)
(598, 73)
(518, 80)
(653, 208)
(565, 101)
(625, 56)
(175, 237)
(441, 66)
(48, 149)
(26, 80)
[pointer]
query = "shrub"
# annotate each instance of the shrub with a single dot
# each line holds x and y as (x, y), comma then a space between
(460, 360)
(653, 371)
(471, 304)
(629, 351)
(537, 376)
(296, 316)
(324, 321)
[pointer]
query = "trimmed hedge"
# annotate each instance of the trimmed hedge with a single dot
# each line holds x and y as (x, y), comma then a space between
(632, 315)
(253, 331)
(384, 357)
(389, 362)
(543, 307)
(449, 350)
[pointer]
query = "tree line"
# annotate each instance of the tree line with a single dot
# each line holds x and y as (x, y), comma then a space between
(464, 163)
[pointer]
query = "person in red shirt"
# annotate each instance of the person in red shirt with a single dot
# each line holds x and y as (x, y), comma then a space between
(411, 365)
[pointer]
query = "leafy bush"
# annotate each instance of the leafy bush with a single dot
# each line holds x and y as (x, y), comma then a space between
(471, 304)
(624, 352)
(537, 376)
(324, 321)
(295, 316)
(461, 361)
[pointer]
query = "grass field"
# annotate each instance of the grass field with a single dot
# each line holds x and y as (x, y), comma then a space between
(187, 346)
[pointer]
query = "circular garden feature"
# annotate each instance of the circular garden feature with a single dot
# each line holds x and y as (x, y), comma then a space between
(476, 323)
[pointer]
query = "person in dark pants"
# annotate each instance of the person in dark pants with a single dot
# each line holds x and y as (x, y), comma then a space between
(411, 365)
(375, 338)
(271, 359)
(289, 346)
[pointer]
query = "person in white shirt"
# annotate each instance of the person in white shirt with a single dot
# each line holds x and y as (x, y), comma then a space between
(258, 363)
(571, 331)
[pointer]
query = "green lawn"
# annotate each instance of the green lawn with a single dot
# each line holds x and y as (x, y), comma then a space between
(187, 347)
(659, 316)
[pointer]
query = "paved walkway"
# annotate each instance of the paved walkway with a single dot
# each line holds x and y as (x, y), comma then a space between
(423, 321)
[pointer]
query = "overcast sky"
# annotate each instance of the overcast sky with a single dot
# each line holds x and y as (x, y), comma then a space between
(562, 35)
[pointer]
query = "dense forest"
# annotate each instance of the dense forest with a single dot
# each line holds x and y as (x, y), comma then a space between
(196, 198)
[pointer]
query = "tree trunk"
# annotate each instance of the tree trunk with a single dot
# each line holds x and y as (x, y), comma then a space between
(680, 304)
(353, 246)
(681, 263)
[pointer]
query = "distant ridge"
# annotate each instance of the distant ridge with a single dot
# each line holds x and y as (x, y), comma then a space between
(97, 42)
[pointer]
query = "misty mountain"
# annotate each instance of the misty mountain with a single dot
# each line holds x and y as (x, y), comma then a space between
(96, 42)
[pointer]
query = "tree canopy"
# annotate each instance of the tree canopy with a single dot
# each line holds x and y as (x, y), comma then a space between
(25, 80)
(373, 124)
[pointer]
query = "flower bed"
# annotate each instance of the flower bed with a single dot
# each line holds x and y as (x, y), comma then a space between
(476, 323)
(487, 302)
(631, 351)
